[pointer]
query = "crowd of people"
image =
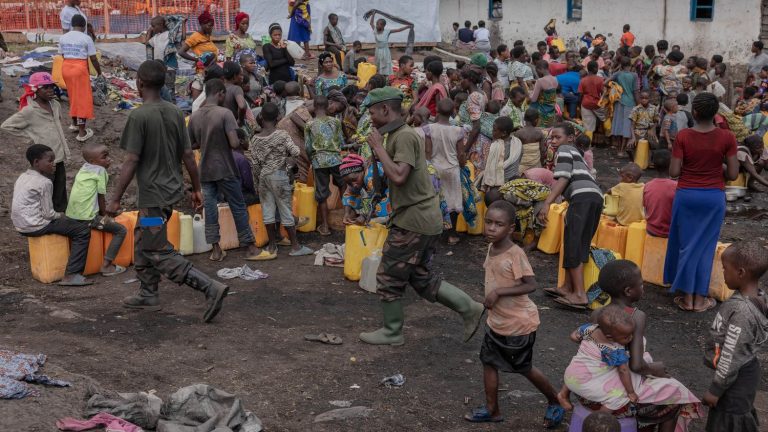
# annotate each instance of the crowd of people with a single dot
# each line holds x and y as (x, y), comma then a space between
(418, 148)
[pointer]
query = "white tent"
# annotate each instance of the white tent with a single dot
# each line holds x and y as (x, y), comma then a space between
(424, 14)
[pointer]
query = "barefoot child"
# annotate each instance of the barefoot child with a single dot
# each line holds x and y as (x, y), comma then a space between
(630, 194)
(739, 330)
(87, 203)
(33, 215)
(512, 318)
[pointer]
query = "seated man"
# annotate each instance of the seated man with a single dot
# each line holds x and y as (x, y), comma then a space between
(33, 215)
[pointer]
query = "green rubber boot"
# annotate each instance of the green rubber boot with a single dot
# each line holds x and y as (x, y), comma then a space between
(392, 332)
(458, 301)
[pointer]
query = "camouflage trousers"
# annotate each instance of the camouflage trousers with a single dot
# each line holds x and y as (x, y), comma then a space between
(153, 253)
(407, 258)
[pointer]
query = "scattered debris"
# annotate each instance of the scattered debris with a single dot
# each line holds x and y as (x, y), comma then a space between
(354, 386)
(244, 272)
(396, 380)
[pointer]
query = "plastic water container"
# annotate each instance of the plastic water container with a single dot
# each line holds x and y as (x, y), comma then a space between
(612, 236)
(365, 71)
(187, 235)
(610, 205)
(740, 181)
(369, 269)
(549, 241)
(48, 257)
(461, 224)
(591, 275)
(306, 206)
(580, 413)
(654, 256)
(607, 125)
(95, 257)
(359, 243)
(56, 71)
(294, 49)
(635, 242)
(256, 220)
(718, 290)
(642, 153)
(173, 228)
(125, 253)
(227, 229)
(199, 245)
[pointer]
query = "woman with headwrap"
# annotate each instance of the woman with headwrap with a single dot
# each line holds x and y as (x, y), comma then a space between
(300, 30)
(279, 61)
(361, 198)
(239, 42)
(329, 75)
(200, 42)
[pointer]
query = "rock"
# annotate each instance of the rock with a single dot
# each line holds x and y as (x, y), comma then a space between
(65, 314)
(341, 403)
(343, 414)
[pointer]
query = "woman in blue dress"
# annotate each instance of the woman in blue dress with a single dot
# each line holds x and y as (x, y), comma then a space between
(300, 30)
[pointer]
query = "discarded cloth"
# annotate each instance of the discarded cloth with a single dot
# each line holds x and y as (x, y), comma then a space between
(108, 421)
(202, 408)
(594, 292)
(17, 369)
(330, 255)
(396, 380)
(141, 409)
(244, 272)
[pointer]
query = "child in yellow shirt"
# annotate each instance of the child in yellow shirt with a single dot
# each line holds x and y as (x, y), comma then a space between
(630, 194)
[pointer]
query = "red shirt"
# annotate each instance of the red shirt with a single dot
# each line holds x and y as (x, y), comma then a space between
(556, 68)
(627, 39)
(658, 196)
(703, 155)
(590, 88)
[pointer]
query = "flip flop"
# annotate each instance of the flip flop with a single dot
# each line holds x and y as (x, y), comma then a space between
(552, 292)
(118, 270)
(481, 415)
(301, 221)
(265, 255)
(221, 258)
(326, 338)
(711, 304)
(284, 242)
(554, 416)
(325, 232)
(78, 280)
(679, 302)
(567, 303)
(73, 128)
(301, 252)
(86, 137)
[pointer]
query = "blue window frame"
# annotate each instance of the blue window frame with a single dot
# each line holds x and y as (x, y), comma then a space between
(702, 10)
(495, 9)
(574, 10)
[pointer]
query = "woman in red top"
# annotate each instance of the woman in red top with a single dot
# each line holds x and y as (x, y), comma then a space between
(699, 207)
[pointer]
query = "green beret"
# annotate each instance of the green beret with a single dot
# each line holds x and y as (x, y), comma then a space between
(479, 60)
(384, 94)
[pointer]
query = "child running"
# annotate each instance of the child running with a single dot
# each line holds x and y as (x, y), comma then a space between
(87, 203)
(512, 318)
(739, 330)
(630, 194)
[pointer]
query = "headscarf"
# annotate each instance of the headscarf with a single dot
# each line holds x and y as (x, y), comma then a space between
(352, 163)
(205, 18)
(240, 17)
(479, 59)
(337, 96)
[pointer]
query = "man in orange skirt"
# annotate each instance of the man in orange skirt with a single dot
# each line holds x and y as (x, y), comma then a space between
(77, 47)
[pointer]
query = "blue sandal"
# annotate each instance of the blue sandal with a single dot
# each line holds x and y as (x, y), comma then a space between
(554, 416)
(481, 415)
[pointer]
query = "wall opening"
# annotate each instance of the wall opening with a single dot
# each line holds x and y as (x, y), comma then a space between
(574, 10)
(495, 9)
(702, 10)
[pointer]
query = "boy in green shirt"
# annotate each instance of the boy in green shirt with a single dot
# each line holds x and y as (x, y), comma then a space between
(87, 203)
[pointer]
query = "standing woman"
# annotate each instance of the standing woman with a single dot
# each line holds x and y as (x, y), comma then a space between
(383, 56)
(200, 41)
(436, 91)
(621, 125)
(544, 95)
(329, 75)
(300, 30)
(279, 61)
(239, 41)
(76, 47)
(699, 208)
(469, 114)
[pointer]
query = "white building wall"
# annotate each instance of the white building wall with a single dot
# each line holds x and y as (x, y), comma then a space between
(735, 26)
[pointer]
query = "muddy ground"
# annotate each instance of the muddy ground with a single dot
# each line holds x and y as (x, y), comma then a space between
(255, 348)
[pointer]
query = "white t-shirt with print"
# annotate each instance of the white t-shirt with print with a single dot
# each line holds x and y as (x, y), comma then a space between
(76, 45)
(66, 16)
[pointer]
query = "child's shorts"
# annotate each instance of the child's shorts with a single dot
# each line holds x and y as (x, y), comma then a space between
(581, 223)
(508, 353)
(323, 177)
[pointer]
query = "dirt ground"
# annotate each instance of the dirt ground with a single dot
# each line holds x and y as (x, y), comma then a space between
(255, 347)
